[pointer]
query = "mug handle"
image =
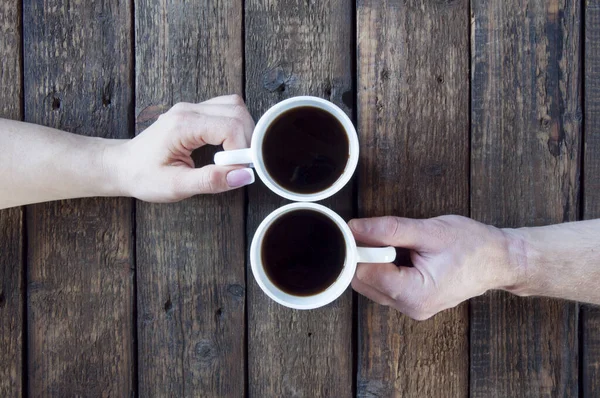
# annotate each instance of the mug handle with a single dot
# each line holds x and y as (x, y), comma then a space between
(237, 156)
(376, 254)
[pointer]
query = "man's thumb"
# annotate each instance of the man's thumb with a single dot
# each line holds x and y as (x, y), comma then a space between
(389, 231)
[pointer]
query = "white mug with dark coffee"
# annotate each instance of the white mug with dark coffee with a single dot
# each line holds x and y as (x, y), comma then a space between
(304, 149)
(303, 255)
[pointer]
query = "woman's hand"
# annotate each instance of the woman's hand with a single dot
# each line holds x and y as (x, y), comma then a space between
(157, 165)
(41, 164)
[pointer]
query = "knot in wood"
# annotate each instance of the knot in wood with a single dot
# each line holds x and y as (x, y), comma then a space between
(275, 79)
(236, 290)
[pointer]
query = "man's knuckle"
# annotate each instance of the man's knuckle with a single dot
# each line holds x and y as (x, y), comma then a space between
(418, 304)
(442, 229)
(397, 296)
(420, 308)
(362, 273)
(382, 301)
(419, 315)
(391, 225)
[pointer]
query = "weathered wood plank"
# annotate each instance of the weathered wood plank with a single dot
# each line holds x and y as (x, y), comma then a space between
(77, 69)
(190, 255)
(525, 167)
(11, 301)
(11, 220)
(413, 110)
(591, 351)
(297, 48)
(591, 186)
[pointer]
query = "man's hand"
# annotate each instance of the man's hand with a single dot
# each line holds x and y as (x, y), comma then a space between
(454, 258)
(157, 165)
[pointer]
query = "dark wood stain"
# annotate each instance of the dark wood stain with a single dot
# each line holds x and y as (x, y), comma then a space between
(190, 255)
(80, 260)
(11, 220)
(525, 167)
(590, 315)
(420, 125)
(297, 48)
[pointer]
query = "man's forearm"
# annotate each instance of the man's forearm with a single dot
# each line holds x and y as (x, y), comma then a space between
(39, 164)
(558, 261)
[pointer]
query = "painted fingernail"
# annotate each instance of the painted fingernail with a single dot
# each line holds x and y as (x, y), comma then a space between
(240, 177)
(359, 225)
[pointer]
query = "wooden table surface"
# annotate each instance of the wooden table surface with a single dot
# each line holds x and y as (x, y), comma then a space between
(487, 108)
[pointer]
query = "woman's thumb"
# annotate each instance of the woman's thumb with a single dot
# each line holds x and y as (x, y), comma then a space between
(215, 179)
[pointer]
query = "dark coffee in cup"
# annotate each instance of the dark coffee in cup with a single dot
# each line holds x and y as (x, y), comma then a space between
(303, 252)
(305, 149)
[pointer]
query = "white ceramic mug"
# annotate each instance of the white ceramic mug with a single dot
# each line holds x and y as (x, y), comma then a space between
(254, 157)
(354, 255)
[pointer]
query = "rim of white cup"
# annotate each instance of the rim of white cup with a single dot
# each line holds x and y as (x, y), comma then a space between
(335, 290)
(268, 117)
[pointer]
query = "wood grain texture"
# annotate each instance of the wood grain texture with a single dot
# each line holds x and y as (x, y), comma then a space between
(190, 255)
(77, 69)
(11, 300)
(413, 109)
(591, 351)
(525, 167)
(297, 48)
(11, 220)
(591, 185)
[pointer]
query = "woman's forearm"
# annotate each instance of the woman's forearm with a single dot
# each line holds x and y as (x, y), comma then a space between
(39, 164)
(560, 261)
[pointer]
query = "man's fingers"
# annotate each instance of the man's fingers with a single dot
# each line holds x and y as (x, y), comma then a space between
(211, 179)
(400, 287)
(390, 231)
(389, 279)
(371, 292)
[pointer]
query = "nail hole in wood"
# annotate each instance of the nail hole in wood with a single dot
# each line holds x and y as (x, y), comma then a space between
(55, 103)
(168, 305)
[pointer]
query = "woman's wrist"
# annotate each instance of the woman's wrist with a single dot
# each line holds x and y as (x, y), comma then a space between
(112, 157)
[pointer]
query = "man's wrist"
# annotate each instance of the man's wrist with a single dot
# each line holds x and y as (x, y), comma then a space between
(519, 264)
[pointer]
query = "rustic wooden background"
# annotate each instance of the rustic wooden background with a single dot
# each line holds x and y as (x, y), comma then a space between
(487, 108)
